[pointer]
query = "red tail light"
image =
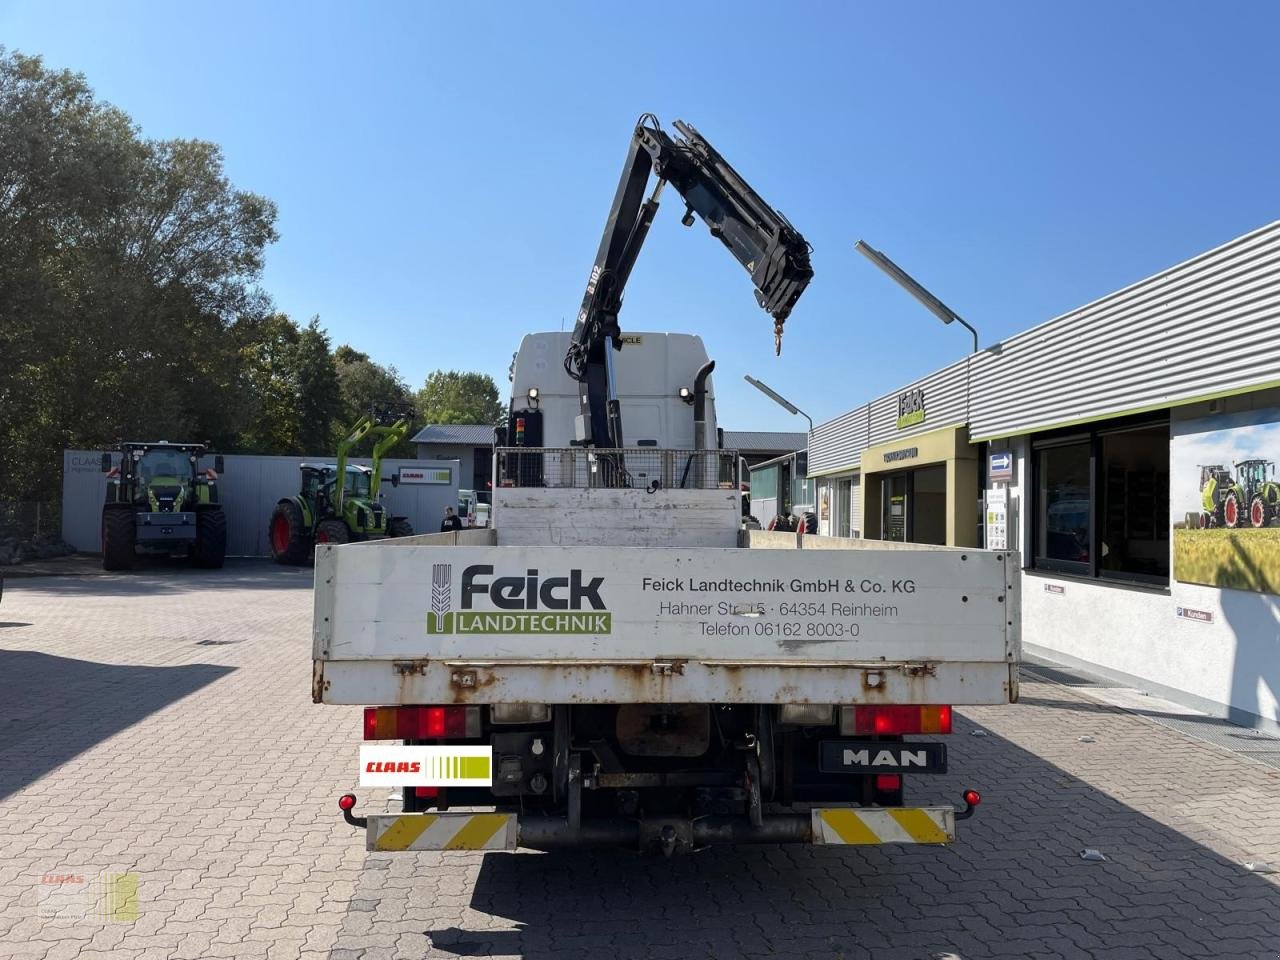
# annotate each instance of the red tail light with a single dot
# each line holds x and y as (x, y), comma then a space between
(888, 783)
(426, 791)
(421, 723)
(894, 720)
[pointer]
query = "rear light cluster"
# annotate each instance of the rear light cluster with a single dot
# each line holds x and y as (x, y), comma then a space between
(893, 720)
(421, 723)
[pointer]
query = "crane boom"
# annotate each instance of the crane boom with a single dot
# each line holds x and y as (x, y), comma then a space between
(759, 237)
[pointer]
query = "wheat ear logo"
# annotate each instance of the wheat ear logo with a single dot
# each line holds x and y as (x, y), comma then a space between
(440, 618)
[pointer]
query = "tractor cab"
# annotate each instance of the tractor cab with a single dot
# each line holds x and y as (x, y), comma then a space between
(159, 501)
(1254, 473)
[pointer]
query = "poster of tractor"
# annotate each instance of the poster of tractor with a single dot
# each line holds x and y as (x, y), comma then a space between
(1227, 494)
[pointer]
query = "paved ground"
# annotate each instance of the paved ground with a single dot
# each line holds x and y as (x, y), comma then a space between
(161, 723)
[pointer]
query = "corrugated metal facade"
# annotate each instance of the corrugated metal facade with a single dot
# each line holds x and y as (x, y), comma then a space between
(1206, 327)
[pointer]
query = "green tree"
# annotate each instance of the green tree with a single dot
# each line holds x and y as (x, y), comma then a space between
(365, 385)
(125, 266)
(319, 400)
(453, 397)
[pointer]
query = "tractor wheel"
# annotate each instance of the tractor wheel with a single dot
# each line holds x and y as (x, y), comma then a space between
(118, 532)
(210, 548)
(332, 531)
(1258, 512)
(1232, 511)
(399, 527)
(287, 535)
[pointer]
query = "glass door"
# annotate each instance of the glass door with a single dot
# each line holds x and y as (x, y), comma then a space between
(895, 499)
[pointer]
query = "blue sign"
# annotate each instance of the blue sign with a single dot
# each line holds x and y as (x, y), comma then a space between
(1000, 466)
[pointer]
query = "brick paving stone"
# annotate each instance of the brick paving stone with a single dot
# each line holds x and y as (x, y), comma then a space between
(160, 723)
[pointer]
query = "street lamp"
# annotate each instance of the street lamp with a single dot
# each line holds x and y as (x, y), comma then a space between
(778, 399)
(909, 284)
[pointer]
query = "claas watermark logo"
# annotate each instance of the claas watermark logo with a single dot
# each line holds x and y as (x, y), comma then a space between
(532, 603)
(82, 895)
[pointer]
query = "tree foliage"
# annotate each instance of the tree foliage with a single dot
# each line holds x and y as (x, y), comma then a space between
(450, 396)
(130, 304)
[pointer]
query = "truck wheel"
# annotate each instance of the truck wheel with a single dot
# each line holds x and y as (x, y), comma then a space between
(287, 534)
(1231, 511)
(1257, 512)
(332, 531)
(399, 527)
(210, 548)
(118, 531)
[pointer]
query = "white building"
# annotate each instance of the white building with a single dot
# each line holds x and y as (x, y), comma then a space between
(1097, 444)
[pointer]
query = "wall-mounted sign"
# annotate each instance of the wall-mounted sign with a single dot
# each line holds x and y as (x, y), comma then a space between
(1057, 588)
(910, 408)
(1200, 616)
(1000, 466)
(998, 525)
(426, 475)
(907, 453)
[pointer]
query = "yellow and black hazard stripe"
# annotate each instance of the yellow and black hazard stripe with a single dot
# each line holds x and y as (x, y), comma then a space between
(849, 826)
(441, 831)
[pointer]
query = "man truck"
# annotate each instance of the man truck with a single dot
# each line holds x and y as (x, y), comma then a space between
(618, 660)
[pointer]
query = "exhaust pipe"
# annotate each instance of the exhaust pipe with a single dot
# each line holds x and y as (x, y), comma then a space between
(700, 418)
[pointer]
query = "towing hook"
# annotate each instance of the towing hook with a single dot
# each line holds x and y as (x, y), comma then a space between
(347, 803)
(971, 800)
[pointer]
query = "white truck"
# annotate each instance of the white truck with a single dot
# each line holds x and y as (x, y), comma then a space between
(617, 660)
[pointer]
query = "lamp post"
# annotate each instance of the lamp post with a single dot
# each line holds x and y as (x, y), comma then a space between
(778, 399)
(909, 284)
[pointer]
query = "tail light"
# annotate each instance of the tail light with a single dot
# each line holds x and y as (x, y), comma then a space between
(888, 783)
(428, 792)
(421, 723)
(896, 719)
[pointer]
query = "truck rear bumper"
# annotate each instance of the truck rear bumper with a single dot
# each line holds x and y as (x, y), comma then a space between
(829, 826)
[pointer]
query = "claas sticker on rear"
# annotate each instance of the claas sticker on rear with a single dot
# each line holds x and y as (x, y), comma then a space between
(426, 766)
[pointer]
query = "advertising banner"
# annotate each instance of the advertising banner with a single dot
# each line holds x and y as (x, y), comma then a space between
(1226, 501)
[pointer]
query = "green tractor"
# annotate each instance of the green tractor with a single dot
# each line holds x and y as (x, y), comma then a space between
(159, 501)
(1261, 496)
(339, 502)
(1249, 499)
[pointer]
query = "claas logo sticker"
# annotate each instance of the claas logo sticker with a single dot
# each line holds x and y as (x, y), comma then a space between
(426, 766)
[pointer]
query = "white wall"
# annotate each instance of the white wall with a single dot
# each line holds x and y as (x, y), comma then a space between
(1229, 667)
(249, 489)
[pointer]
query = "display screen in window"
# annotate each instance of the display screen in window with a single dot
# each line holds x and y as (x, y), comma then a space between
(1064, 504)
(1133, 501)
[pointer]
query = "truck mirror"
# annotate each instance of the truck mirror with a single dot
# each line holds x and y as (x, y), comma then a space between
(106, 463)
(219, 464)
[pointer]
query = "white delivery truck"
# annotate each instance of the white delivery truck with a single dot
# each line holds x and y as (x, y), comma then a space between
(618, 660)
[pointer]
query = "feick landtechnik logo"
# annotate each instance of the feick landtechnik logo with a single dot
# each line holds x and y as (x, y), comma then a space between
(527, 604)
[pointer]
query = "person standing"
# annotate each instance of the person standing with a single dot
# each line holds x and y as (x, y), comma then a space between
(450, 522)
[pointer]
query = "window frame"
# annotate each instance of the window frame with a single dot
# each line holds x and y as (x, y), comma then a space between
(1092, 436)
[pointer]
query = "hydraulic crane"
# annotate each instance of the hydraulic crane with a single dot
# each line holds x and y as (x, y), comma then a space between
(759, 237)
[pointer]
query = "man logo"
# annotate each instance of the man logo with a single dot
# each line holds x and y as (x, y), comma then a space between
(886, 758)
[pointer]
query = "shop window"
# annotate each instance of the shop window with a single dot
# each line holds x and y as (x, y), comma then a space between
(1102, 503)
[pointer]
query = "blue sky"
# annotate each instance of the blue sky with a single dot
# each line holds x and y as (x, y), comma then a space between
(443, 171)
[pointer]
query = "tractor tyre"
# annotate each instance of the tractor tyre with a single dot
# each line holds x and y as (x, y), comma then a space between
(332, 531)
(118, 534)
(210, 549)
(1232, 511)
(287, 535)
(399, 527)
(1259, 512)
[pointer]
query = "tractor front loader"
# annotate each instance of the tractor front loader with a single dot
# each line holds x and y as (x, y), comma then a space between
(160, 502)
(340, 502)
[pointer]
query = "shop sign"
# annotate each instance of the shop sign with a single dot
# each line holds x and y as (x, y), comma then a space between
(910, 408)
(425, 475)
(1000, 466)
(906, 453)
